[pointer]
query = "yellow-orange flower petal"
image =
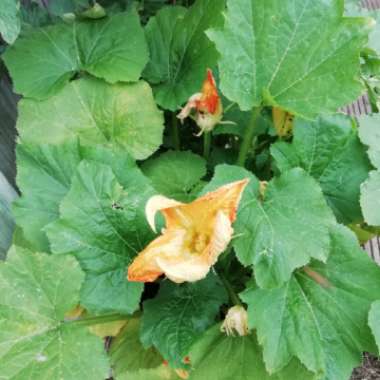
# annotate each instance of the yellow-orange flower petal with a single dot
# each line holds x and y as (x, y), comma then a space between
(210, 100)
(155, 204)
(207, 104)
(194, 237)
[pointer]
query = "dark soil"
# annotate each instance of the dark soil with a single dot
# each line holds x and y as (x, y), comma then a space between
(370, 370)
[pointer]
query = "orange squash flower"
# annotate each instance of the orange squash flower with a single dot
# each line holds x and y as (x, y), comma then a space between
(194, 237)
(207, 104)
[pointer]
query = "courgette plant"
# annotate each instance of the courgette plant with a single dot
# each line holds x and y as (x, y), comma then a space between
(189, 189)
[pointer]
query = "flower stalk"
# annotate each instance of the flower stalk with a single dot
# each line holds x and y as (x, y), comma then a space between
(230, 290)
(206, 145)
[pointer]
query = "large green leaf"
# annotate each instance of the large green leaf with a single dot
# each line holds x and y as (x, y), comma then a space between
(330, 151)
(218, 357)
(123, 115)
(45, 59)
(175, 174)
(180, 51)
(370, 199)
(285, 53)
(355, 8)
(320, 315)
(374, 321)
(127, 354)
(9, 20)
(44, 177)
(103, 225)
(60, 7)
(282, 231)
(163, 372)
(369, 133)
(179, 315)
(36, 292)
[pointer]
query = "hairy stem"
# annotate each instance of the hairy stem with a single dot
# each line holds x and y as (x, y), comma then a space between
(176, 140)
(206, 145)
(248, 137)
(89, 321)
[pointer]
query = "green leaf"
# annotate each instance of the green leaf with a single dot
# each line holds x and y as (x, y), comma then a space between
(103, 225)
(163, 372)
(9, 20)
(127, 353)
(264, 45)
(284, 230)
(355, 8)
(320, 315)
(369, 133)
(370, 199)
(374, 321)
(239, 122)
(180, 50)
(36, 292)
(173, 320)
(330, 151)
(175, 174)
(218, 357)
(122, 115)
(44, 176)
(374, 37)
(60, 7)
(45, 59)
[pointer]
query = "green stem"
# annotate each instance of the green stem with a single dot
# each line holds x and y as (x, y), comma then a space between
(248, 137)
(206, 145)
(89, 321)
(230, 290)
(176, 140)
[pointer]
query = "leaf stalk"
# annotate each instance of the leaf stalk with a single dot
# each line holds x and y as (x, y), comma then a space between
(175, 132)
(248, 137)
(89, 321)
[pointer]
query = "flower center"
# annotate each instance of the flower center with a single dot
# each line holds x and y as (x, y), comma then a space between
(196, 242)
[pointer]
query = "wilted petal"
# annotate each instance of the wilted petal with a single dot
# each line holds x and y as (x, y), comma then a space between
(283, 122)
(236, 322)
(207, 104)
(190, 105)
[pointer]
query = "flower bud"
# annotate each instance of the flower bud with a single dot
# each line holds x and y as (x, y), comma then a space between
(236, 322)
(207, 104)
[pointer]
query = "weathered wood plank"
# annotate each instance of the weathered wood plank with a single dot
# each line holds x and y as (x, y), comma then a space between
(7, 196)
(8, 117)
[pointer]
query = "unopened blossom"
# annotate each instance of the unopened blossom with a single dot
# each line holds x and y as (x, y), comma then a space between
(194, 237)
(207, 105)
(236, 322)
(283, 122)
